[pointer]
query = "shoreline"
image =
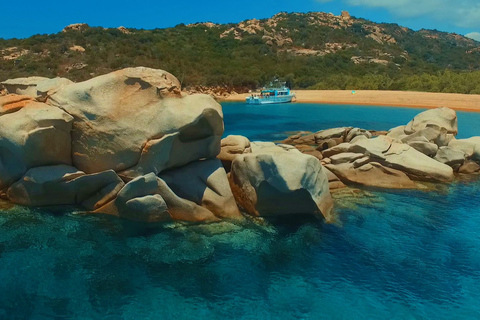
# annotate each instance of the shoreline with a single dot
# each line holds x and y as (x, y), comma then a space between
(404, 99)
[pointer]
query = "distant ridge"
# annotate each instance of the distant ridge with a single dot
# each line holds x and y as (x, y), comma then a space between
(304, 48)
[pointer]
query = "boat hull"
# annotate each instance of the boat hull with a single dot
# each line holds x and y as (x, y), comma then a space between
(270, 100)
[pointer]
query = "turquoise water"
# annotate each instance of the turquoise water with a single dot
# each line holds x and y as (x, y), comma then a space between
(395, 255)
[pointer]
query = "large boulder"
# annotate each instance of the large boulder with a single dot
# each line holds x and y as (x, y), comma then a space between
(442, 117)
(206, 184)
(65, 185)
(231, 147)
(136, 121)
(23, 86)
(35, 135)
(280, 182)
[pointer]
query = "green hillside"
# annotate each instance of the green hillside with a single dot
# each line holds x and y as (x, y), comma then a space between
(312, 50)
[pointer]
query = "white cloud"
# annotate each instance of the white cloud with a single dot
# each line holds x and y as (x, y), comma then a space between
(461, 13)
(473, 35)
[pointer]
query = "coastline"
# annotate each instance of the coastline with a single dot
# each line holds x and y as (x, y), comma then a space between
(407, 99)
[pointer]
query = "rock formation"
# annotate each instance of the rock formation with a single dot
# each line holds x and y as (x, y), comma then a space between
(132, 145)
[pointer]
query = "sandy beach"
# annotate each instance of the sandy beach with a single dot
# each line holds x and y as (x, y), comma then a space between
(411, 99)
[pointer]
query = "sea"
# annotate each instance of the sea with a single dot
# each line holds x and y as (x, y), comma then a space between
(389, 254)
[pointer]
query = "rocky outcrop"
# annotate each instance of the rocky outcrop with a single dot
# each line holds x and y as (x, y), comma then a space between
(76, 27)
(264, 184)
(65, 185)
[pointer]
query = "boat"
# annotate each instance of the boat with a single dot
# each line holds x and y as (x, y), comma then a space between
(278, 93)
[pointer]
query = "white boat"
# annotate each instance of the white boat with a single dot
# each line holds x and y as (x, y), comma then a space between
(277, 94)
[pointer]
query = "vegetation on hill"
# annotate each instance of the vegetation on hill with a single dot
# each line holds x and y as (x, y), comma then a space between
(312, 50)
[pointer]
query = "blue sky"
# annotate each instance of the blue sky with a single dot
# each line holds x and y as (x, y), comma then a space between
(460, 16)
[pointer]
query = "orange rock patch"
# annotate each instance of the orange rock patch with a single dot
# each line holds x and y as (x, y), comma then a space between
(13, 102)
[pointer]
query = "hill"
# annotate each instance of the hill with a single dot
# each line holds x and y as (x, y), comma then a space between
(311, 50)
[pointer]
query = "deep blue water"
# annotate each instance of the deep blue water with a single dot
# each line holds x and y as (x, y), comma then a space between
(271, 123)
(390, 255)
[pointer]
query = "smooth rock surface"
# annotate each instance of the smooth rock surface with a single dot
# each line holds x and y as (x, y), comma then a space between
(136, 121)
(278, 183)
(35, 135)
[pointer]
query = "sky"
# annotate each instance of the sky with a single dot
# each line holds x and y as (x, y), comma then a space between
(459, 16)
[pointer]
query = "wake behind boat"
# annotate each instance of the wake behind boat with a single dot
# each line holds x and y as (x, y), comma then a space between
(274, 94)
